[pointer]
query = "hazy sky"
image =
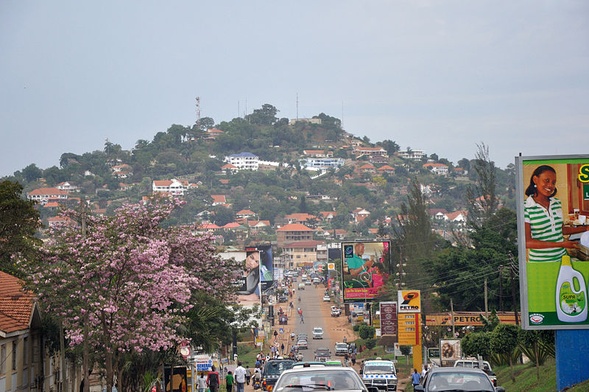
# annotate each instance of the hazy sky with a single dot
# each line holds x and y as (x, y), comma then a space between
(439, 76)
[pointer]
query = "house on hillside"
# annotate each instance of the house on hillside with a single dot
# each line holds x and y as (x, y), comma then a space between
(293, 232)
(436, 168)
(22, 366)
(170, 187)
(243, 161)
(359, 214)
(369, 151)
(414, 155)
(300, 253)
(45, 195)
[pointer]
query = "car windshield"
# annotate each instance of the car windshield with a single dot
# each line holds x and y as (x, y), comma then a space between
(277, 367)
(378, 368)
(459, 382)
(318, 380)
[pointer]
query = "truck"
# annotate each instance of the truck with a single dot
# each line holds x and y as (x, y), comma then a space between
(379, 373)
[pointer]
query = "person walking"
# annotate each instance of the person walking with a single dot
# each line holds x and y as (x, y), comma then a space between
(302, 320)
(240, 374)
(415, 376)
(201, 382)
(229, 380)
(213, 380)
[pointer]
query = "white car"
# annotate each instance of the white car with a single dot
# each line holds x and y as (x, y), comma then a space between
(317, 333)
(326, 378)
(326, 298)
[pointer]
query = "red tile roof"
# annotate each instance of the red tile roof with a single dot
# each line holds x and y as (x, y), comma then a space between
(16, 305)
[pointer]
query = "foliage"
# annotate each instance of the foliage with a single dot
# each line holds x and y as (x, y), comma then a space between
(370, 343)
(476, 343)
(19, 221)
(504, 342)
(122, 283)
(366, 331)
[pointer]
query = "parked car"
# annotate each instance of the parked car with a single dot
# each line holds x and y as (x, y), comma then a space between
(317, 333)
(317, 378)
(335, 311)
(326, 298)
(272, 370)
(439, 379)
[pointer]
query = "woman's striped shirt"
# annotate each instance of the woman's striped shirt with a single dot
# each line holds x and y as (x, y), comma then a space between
(546, 225)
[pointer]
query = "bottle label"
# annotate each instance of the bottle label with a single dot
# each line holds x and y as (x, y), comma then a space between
(571, 303)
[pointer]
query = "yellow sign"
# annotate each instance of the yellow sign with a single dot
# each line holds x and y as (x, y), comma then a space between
(409, 301)
(409, 329)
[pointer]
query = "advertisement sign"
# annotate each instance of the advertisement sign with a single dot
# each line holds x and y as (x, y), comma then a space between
(409, 329)
(554, 244)
(365, 266)
(388, 319)
(465, 319)
(450, 351)
(409, 301)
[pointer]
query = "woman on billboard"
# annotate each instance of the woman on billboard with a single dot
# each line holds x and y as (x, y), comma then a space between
(543, 217)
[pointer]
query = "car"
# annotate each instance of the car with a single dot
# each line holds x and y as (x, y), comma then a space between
(316, 280)
(334, 363)
(341, 348)
(439, 379)
(308, 282)
(322, 354)
(302, 336)
(302, 344)
(475, 363)
(379, 373)
(317, 333)
(326, 298)
(272, 370)
(335, 311)
(303, 364)
(317, 378)
(301, 286)
(283, 298)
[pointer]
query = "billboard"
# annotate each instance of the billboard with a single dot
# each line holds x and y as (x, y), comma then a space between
(450, 351)
(553, 205)
(409, 301)
(365, 266)
(388, 319)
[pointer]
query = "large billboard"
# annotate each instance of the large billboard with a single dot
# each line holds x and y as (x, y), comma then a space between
(365, 268)
(553, 205)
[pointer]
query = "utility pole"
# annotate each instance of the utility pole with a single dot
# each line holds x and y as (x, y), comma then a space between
(452, 316)
(486, 299)
(501, 288)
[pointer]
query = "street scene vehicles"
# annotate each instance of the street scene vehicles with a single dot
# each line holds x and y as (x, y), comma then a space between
(379, 373)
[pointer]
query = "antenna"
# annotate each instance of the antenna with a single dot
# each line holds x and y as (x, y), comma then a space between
(342, 121)
(197, 111)
(297, 106)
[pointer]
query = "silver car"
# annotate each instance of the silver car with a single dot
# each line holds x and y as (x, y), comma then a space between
(313, 378)
(441, 379)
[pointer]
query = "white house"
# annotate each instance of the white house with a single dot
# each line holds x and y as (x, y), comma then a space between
(244, 161)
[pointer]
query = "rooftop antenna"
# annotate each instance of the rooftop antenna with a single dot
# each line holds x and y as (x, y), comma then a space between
(297, 106)
(197, 111)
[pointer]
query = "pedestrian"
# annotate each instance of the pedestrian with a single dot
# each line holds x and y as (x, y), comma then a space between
(229, 381)
(353, 356)
(302, 320)
(282, 348)
(248, 374)
(415, 376)
(201, 382)
(213, 380)
(240, 377)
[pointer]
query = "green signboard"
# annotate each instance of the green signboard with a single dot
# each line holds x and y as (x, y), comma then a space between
(585, 191)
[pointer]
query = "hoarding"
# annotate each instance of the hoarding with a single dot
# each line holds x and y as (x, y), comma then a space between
(552, 228)
(365, 268)
(450, 351)
(388, 319)
(409, 301)
(409, 329)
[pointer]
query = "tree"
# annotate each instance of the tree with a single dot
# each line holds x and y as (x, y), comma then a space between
(19, 221)
(504, 342)
(264, 116)
(32, 173)
(482, 200)
(123, 284)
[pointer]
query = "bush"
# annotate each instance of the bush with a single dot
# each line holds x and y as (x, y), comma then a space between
(370, 343)
(366, 331)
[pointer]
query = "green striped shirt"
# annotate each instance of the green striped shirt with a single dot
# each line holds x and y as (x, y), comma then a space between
(546, 225)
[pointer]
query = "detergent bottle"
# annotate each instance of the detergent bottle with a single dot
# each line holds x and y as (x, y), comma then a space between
(571, 293)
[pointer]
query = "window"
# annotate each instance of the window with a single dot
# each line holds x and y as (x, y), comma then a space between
(14, 347)
(3, 359)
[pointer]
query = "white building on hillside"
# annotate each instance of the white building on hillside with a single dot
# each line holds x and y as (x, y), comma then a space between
(244, 161)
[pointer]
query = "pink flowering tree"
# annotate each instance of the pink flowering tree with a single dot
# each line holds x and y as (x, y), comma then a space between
(123, 284)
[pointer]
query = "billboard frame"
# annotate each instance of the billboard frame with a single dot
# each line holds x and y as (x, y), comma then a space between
(538, 279)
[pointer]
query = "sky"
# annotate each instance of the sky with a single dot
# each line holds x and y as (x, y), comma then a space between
(444, 77)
